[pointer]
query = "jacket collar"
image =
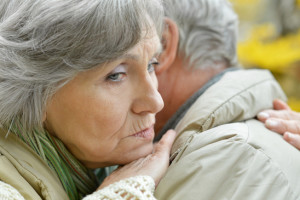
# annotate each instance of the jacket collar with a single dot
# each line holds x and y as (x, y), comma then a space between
(173, 121)
(238, 95)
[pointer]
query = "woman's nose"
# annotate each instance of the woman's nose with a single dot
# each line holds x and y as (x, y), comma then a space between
(148, 99)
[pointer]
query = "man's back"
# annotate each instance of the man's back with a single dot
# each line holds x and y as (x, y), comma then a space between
(222, 152)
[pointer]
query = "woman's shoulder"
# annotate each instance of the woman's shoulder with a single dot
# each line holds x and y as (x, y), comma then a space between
(25, 171)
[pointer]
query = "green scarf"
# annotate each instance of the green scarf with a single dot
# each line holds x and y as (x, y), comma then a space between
(77, 180)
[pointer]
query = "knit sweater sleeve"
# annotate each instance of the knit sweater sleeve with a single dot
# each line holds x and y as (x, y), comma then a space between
(138, 187)
(8, 192)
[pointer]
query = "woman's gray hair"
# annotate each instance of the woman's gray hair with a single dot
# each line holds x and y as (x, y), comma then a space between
(45, 43)
(207, 30)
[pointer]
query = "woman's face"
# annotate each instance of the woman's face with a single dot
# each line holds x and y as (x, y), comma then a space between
(105, 116)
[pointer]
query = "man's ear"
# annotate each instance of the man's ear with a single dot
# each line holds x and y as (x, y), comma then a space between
(170, 39)
(44, 117)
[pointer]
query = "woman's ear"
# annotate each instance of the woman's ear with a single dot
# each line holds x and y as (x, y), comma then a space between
(170, 39)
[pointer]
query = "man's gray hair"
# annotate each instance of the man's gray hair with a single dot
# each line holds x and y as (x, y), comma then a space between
(45, 43)
(207, 30)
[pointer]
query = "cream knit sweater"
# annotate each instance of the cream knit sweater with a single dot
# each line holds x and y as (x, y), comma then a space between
(138, 187)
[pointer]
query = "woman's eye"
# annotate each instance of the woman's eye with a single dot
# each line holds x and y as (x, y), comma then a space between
(117, 74)
(120, 76)
(152, 64)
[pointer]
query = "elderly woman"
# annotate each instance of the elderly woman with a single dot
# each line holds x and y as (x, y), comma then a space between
(77, 92)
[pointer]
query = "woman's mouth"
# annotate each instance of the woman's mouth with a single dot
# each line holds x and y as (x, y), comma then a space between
(147, 133)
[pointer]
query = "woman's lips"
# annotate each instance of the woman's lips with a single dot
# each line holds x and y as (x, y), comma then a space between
(147, 133)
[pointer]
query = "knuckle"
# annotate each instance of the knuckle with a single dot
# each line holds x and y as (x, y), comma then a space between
(297, 128)
(285, 114)
(162, 143)
(284, 124)
(153, 157)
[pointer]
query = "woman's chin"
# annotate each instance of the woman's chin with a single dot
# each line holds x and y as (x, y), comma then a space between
(128, 154)
(137, 154)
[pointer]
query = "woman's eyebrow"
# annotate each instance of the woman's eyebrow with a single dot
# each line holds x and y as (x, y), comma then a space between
(137, 57)
(131, 56)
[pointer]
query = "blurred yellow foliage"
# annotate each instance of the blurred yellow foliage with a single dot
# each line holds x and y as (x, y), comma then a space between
(294, 104)
(261, 47)
(262, 51)
(281, 55)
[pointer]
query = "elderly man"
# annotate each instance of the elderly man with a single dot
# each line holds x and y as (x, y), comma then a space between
(221, 151)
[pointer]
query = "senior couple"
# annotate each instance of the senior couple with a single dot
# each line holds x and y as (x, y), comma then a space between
(78, 91)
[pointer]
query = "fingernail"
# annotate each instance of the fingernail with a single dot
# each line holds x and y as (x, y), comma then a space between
(272, 123)
(290, 137)
(263, 115)
(287, 134)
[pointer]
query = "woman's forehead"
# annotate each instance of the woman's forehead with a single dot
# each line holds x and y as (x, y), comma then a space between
(149, 45)
(147, 48)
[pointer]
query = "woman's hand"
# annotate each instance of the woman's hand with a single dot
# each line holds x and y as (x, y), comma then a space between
(154, 165)
(284, 121)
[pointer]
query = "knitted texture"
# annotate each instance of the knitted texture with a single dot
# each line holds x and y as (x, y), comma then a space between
(134, 188)
(7, 192)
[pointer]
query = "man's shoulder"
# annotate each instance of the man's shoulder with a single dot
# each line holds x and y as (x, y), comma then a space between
(228, 162)
(196, 139)
(243, 137)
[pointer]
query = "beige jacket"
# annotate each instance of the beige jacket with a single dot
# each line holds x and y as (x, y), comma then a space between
(24, 174)
(223, 152)
(24, 170)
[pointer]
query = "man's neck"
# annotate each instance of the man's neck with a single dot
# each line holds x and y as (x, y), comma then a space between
(177, 85)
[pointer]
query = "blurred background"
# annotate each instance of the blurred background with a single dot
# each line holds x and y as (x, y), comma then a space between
(270, 39)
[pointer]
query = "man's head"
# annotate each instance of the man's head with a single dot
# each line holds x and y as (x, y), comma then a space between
(207, 30)
(199, 41)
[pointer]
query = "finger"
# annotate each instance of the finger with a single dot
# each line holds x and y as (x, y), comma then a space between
(281, 110)
(280, 114)
(281, 126)
(263, 116)
(165, 143)
(293, 139)
(280, 105)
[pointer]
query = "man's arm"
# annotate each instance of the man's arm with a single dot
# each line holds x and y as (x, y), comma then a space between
(284, 121)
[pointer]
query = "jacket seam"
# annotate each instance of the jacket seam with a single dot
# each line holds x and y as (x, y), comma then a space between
(233, 96)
